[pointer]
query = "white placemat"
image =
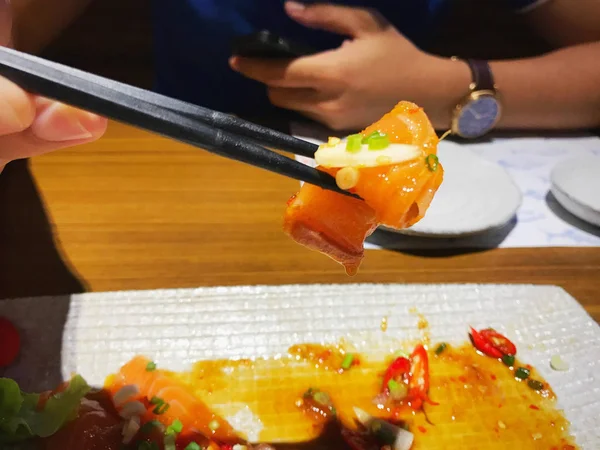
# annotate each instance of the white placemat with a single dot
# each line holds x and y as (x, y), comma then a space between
(94, 334)
(540, 221)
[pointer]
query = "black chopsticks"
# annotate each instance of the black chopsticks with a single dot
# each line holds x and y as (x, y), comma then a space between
(214, 131)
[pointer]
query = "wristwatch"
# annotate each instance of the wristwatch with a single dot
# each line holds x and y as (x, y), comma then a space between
(480, 110)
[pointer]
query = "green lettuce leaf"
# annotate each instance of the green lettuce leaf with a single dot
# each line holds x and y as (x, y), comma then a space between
(19, 418)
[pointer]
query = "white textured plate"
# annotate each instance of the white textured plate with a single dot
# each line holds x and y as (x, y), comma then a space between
(576, 186)
(93, 334)
(476, 196)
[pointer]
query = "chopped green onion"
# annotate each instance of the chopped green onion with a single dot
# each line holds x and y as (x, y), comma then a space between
(214, 425)
(522, 373)
(161, 405)
(156, 400)
(354, 143)
(557, 363)
(192, 446)
(161, 409)
(432, 162)
(322, 398)
(535, 385)
(347, 362)
(309, 393)
(508, 360)
(149, 426)
(379, 142)
(440, 348)
(151, 366)
(367, 138)
(175, 427)
(398, 391)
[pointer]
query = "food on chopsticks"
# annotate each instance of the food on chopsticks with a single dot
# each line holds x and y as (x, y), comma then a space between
(318, 396)
(391, 165)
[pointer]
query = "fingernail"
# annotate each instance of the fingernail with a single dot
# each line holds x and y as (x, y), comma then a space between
(60, 123)
(233, 62)
(294, 7)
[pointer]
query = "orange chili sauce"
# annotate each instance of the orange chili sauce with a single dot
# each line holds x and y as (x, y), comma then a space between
(481, 404)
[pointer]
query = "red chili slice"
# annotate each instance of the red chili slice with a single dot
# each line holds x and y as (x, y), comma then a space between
(418, 385)
(396, 370)
(499, 341)
(492, 343)
(11, 342)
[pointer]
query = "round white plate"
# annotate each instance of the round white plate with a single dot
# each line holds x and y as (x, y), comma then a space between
(475, 196)
(575, 184)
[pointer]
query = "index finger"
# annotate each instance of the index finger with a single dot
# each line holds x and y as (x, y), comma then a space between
(301, 72)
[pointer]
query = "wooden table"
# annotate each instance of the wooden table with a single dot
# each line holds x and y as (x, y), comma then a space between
(134, 211)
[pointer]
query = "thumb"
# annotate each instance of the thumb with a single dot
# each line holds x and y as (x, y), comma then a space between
(343, 20)
(5, 23)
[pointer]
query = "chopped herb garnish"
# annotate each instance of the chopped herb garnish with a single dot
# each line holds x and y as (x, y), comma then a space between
(149, 426)
(354, 143)
(508, 360)
(522, 373)
(322, 398)
(175, 427)
(161, 405)
(347, 362)
(145, 445)
(214, 425)
(156, 400)
(440, 348)
(432, 162)
(397, 390)
(367, 138)
(535, 385)
(151, 366)
(379, 142)
(192, 446)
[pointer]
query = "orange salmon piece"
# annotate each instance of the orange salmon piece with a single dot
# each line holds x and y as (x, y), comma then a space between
(395, 195)
(331, 223)
(193, 413)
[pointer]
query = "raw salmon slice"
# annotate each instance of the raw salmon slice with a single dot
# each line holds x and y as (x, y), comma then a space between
(395, 195)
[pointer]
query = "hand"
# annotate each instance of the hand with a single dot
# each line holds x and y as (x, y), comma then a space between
(31, 125)
(349, 87)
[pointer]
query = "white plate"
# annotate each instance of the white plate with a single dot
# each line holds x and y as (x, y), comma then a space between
(576, 186)
(476, 196)
(93, 334)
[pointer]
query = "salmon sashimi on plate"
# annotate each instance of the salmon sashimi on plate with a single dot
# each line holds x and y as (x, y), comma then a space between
(152, 396)
(391, 165)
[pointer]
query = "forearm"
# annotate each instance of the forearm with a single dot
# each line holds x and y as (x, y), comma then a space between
(37, 22)
(559, 90)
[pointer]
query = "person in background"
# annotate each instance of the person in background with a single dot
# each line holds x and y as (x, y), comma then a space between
(367, 62)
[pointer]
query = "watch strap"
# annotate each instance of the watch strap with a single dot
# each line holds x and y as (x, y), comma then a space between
(482, 76)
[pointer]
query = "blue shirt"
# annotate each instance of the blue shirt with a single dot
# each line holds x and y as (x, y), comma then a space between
(193, 43)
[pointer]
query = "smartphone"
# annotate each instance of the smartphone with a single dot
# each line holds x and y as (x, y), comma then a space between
(266, 44)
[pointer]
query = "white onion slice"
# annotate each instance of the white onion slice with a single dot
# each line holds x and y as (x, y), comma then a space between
(337, 156)
(130, 429)
(124, 394)
(131, 409)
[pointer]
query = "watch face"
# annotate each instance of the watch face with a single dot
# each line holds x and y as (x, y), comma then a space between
(478, 116)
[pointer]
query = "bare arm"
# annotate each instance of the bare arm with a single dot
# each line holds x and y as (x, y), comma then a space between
(558, 90)
(37, 22)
